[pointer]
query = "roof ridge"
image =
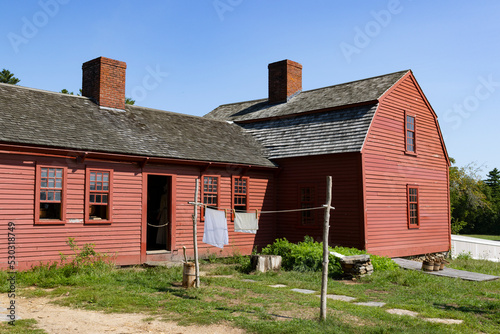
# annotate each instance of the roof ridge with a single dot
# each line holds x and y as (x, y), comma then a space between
(256, 100)
(360, 80)
(131, 106)
(87, 98)
(316, 89)
(40, 90)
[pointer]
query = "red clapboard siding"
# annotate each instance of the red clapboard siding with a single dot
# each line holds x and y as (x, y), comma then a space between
(346, 223)
(122, 238)
(35, 243)
(261, 197)
(388, 170)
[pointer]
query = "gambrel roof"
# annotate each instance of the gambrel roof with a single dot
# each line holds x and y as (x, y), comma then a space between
(346, 94)
(328, 120)
(54, 120)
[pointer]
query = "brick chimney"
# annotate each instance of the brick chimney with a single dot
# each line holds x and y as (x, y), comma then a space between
(285, 80)
(104, 81)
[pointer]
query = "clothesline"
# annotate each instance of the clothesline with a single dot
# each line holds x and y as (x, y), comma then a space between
(276, 211)
(296, 210)
(149, 224)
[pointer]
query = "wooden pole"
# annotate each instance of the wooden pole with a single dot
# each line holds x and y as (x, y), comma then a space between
(326, 253)
(195, 236)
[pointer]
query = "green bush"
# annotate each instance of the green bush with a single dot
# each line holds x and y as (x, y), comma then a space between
(308, 256)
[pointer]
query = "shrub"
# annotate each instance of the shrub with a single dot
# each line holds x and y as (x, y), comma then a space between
(308, 256)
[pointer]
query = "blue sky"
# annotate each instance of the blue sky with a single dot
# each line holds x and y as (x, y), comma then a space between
(196, 55)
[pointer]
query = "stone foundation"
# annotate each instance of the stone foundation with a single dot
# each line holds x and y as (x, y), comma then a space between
(356, 266)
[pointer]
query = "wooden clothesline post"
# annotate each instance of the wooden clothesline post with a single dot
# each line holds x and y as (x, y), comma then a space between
(326, 228)
(326, 253)
(195, 235)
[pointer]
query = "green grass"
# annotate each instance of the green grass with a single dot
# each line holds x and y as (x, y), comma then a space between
(483, 236)
(258, 308)
(25, 326)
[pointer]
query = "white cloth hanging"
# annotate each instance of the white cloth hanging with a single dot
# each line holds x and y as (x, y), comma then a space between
(215, 232)
(246, 222)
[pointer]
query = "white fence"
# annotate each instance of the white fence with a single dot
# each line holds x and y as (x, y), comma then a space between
(477, 248)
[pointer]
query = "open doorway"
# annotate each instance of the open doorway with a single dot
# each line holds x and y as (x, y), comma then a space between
(159, 217)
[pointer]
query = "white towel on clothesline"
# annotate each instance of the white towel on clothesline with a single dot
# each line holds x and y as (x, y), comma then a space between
(215, 232)
(246, 222)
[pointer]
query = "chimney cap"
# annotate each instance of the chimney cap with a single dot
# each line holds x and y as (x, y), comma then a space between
(286, 62)
(104, 60)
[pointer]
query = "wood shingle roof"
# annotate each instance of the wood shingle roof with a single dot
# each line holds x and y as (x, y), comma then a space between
(35, 117)
(328, 120)
(327, 132)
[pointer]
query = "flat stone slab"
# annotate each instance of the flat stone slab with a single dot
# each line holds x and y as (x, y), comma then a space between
(373, 304)
(248, 280)
(402, 312)
(447, 272)
(355, 258)
(340, 297)
(444, 321)
(337, 255)
(304, 291)
(278, 286)
(6, 318)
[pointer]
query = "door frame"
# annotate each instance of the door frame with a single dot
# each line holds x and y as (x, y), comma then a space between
(144, 223)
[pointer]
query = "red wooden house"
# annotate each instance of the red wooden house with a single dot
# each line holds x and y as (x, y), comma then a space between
(380, 140)
(102, 172)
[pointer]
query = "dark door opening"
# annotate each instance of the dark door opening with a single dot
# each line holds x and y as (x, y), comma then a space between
(159, 208)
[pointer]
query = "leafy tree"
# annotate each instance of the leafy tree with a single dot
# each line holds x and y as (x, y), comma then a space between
(7, 77)
(65, 91)
(467, 197)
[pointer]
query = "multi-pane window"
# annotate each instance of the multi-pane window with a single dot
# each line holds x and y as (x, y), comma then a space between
(410, 133)
(307, 200)
(211, 190)
(51, 191)
(413, 214)
(240, 193)
(99, 195)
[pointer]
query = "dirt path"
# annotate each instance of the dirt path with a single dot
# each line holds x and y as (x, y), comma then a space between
(58, 320)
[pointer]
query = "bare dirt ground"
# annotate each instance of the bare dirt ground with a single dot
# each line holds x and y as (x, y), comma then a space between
(58, 320)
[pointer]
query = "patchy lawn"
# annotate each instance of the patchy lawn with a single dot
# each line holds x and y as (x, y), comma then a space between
(236, 303)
